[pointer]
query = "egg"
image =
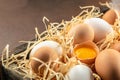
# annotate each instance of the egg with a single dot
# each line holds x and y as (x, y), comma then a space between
(110, 16)
(45, 51)
(79, 72)
(116, 46)
(80, 33)
(49, 43)
(44, 54)
(101, 28)
(107, 64)
(86, 52)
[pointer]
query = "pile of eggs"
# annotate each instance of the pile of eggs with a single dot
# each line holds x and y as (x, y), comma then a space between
(85, 36)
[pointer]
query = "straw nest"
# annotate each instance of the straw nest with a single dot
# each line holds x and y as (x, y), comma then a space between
(57, 32)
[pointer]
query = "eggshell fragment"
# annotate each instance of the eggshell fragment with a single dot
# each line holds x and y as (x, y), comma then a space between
(79, 72)
(44, 54)
(110, 16)
(87, 52)
(49, 43)
(107, 64)
(100, 26)
(81, 33)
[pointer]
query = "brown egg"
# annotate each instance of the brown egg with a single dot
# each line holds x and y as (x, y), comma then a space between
(81, 33)
(110, 16)
(86, 52)
(44, 54)
(116, 46)
(107, 64)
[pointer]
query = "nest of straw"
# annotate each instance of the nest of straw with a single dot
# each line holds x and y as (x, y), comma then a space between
(18, 63)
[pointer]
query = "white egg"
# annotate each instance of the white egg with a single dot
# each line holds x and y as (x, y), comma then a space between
(79, 72)
(100, 26)
(49, 43)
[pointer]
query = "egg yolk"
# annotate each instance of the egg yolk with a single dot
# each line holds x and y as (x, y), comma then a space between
(85, 53)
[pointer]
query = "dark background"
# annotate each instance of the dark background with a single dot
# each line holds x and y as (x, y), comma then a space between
(18, 18)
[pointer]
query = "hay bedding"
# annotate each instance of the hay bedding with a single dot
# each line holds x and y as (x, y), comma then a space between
(17, 66)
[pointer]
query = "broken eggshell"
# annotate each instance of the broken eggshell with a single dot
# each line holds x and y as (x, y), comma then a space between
(86, 52)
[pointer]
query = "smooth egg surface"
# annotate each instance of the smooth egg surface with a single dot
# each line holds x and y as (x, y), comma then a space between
(81, 33)
(107, 64)
(100, 26)
(44, 54)
(116, 46)
(110, 16)
(49, 43)
(79, 72)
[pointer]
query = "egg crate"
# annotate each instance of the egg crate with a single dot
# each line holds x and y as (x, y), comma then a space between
(8, 73)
